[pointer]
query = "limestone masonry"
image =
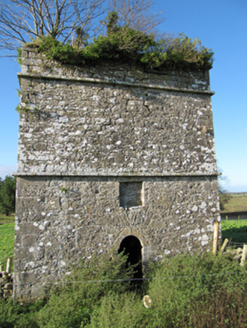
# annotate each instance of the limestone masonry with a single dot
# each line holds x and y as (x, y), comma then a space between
(110, 156)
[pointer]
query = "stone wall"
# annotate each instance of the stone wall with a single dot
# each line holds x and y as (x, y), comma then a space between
(81, 127)
(107, 152)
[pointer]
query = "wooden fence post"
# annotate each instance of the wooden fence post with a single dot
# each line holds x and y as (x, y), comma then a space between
(244, 255)
(216, 234)
(224, 245)
(8, 265)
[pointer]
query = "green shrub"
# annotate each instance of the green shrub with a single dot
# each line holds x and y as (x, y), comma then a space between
(118, 310)
(72, 304)
(8, 313)
(221, 308)
(186, 291)
(131, 46)
(15, 315)
(53, 49)
(184, 280)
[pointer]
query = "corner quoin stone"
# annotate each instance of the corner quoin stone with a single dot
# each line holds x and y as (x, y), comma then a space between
(108, 152)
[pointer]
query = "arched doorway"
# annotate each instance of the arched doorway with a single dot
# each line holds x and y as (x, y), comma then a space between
(131, 246)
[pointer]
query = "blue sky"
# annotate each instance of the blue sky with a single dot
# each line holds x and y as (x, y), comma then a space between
(222, 26)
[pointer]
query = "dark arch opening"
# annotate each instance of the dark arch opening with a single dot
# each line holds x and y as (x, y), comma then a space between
(131, 246)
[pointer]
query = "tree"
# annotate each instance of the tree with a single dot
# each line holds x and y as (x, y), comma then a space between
(137, 14)
(7, 195)
(224, 196)
(22, 21)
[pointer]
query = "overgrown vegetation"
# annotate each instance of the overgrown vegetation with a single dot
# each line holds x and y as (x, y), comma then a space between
(128, 45)
(186, 291)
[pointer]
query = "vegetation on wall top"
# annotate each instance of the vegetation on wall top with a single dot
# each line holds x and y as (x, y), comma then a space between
(83, 32)
(128, 45)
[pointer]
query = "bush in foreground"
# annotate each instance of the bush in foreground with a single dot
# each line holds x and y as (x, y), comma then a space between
(186, 291)
(189, 290)
(197, 291)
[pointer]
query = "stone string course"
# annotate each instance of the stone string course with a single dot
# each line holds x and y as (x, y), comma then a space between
(85, 131)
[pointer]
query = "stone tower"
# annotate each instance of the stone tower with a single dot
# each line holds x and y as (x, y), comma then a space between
(110, 157)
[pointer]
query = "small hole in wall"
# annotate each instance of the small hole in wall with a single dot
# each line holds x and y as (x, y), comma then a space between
(131, 194)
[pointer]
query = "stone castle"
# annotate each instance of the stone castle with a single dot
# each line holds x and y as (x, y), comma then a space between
(110, 157)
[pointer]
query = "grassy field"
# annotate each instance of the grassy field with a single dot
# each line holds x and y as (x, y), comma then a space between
(235, 231)
(7, 231)
(4, 219)
(236, 203)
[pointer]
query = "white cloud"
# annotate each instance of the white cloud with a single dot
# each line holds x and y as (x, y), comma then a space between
(6, 170)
